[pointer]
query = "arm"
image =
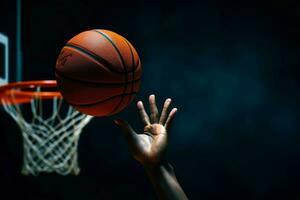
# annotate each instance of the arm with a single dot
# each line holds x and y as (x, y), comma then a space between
(165, 183)
(149, 148)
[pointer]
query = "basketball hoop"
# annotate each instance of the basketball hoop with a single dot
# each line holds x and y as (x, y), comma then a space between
(49, 142)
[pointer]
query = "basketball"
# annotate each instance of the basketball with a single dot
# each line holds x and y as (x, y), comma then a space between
(98, 72)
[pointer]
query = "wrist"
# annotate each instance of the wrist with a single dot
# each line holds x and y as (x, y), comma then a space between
(158, 168)
(154, 165)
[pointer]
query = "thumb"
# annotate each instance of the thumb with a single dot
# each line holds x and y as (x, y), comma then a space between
(131, 136)
(126, 128)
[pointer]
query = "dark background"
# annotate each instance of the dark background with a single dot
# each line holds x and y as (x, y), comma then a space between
(232, 69)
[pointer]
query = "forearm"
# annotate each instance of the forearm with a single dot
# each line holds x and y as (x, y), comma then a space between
(165, 183)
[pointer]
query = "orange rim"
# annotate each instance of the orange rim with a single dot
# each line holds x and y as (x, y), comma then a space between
(13, 93)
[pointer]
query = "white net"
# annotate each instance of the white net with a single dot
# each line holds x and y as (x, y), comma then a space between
(49, 143)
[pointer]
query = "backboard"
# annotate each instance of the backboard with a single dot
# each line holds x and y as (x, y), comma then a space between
(10, 41)
(4, 46)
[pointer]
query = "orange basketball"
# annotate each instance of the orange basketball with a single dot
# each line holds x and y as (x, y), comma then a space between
(98, 72)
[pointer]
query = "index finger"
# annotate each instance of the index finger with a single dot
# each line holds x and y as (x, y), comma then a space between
(144, 116)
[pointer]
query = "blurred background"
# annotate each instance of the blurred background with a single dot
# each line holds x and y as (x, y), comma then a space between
(232, 69)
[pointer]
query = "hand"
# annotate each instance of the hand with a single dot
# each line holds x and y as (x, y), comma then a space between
(149, 147)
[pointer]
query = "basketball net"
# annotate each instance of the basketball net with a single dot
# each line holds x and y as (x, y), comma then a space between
(49, 144)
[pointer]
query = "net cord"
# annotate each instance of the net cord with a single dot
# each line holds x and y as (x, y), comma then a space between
(50, 144)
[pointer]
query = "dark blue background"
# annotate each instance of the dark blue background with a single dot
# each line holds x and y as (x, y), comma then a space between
(232, 69)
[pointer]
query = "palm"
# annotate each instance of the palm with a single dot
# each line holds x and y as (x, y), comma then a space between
(149, 147)
(151, 143)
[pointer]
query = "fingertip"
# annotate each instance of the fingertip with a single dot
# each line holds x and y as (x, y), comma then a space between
(168, 100)
(152, 96)
(139, 104)
(122, 123)
(116, 121)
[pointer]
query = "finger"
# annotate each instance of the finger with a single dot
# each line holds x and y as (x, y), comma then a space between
(144, 116)
(170, 118)
(153, 109)
(127, 130)
(164, 111)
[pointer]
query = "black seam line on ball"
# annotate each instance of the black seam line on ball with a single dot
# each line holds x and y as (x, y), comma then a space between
(95, 57)
(132, 64)
(115, 47)
(123, 64)
(138, 61)
(94, 83)
(102, 101)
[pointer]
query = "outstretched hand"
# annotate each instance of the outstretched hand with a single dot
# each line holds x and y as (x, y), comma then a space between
(149, 147)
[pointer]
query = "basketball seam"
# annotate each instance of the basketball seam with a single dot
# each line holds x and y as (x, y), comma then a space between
(124, 66)
(102, 101)
(135, 67)
(115, 47)
(58, 73)
(138, 61)
(133, 64)
(93, 56)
